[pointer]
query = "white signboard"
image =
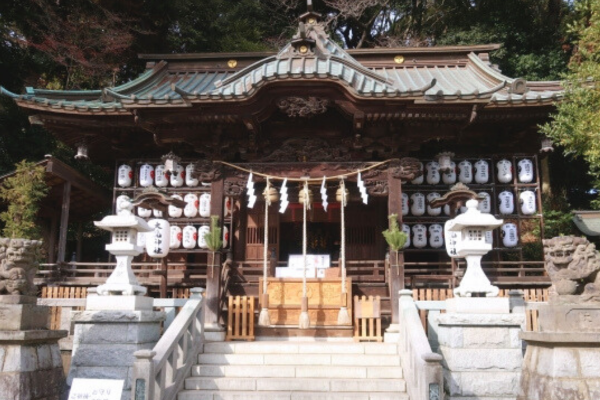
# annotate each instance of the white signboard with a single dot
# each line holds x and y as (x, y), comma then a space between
(96, 389)
(316, 261)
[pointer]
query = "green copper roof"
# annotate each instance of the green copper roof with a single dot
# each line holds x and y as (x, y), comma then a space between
(310, 56)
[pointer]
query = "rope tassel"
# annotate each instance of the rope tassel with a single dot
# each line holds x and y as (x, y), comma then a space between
(263, 318)
(343, 316)
(304, 322)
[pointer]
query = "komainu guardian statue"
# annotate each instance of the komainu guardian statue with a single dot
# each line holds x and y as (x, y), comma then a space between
(572, 264)
(18, 265)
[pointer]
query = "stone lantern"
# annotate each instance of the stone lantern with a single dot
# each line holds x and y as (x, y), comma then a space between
(124, 228)
(470, 242)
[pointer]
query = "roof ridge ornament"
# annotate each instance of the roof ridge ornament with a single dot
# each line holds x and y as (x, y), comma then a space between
(310, 17)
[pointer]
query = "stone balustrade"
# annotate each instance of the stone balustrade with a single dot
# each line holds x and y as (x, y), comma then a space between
(158, 374)
(423, 369)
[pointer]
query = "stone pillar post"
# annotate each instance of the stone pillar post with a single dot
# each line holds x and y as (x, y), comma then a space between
(107, 334)
(479, 340)
(30, 362)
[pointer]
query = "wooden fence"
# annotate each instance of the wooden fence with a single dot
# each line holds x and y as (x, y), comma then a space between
(531, 296)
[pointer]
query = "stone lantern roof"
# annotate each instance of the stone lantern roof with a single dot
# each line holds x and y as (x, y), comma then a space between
(474, 218)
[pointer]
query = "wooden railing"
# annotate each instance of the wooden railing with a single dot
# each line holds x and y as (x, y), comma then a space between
(85, 274)
(531, 297)
(159, 374)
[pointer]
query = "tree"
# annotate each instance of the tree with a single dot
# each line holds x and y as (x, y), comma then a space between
(22, 192)
(576, 124)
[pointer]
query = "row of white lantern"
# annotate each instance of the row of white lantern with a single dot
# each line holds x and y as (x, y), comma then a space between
(164, 237)
(478, 172)
(419, 235)
(194, 206)
(159, 176)
(417, 204)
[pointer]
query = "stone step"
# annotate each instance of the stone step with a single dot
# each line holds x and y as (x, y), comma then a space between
(286, 395)
(300, 359)
(284, 347)
(297, 384)
(267, 371)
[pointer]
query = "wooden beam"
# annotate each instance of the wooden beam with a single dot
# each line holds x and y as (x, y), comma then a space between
(213, 280)
(64, 222)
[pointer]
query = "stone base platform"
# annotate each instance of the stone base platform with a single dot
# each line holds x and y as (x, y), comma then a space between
(561, 366)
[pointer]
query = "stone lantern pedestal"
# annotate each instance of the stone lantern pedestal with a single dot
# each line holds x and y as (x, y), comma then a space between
(118, 320)
(478, 336)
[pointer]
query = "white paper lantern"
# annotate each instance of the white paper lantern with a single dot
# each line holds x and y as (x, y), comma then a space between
(177, 176)
(452, 239)
(175, 212)
(146, 175)
(189, 237)
(465, 171)
(436, 238)
(433, 173)
(118, 201)
(204, 208)
(225, 236)
(189, 179)
(228, 207)
(527, 200)
(449, 177)
(141, 240)
(419, 236)
(507, 202)
(418, 204)
(157, 213)
(509, 235)
(124, 176)
(159, 238)
(489, 237)
(505, 171)
(433, 211)
(176, 237)
(203, 230)
(525, 169)
(406, 230)
(419, 180)
(485, 204)
(191, 207)
(482, 171)
(161, 176)
(405, 206)
(144, 212)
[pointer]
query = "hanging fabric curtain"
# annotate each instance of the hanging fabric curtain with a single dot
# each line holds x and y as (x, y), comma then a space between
(263, 318)
(304, 322)
(343, 317)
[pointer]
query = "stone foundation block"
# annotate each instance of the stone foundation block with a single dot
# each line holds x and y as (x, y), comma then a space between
(21, 317)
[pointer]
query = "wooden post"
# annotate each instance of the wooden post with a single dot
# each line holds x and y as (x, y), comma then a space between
(79, 241)
(213, 279)
(52, 240)
(163, 277)
(64, 222)
(396, 272)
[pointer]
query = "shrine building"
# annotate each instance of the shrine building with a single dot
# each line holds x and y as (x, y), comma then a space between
(389, 130)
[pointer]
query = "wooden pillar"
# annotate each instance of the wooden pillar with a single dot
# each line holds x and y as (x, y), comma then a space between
(545, 176)
(164, 270)
(52, 239)
(64, 222)
(396, 263)
(79, 241)
(213, 273)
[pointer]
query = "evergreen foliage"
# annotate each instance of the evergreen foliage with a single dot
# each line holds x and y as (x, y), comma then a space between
(23, 192)
(394, 237)
(576, 124)
(214, 240)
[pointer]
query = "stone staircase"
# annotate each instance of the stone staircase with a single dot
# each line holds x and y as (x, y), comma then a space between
(296, 370)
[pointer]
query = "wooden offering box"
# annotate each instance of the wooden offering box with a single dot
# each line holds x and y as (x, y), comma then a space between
(324, 300)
